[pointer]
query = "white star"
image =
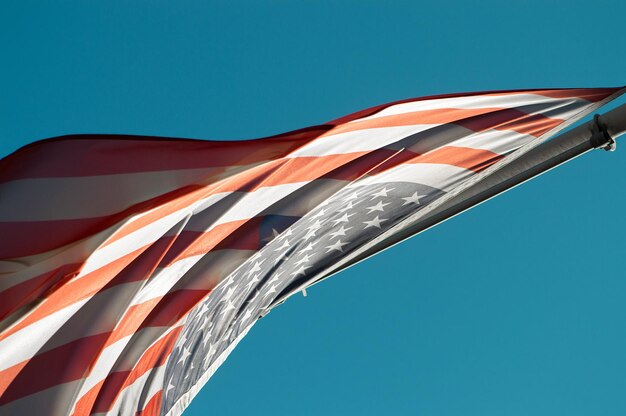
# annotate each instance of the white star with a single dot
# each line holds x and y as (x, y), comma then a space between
(255, 256)
(185, 354)
(319, 214)
(272, 290)
(228, 281)
(378, 207)
(308, 248)
(303, 260)
(340, 232)
(312, 229)
(280, 257)
(381, 193)
(272, 236)
(170, 386)
(257, 266)
(337, 246)
(354, 195)
(203, 309)
(287, 233)
(300, 270)
(285, 245)
(253, 298)
(207, 337)
(347, 207)
(247, 315)
(413, 199)
(229, 307)
(229, 292)
(344, 218)
(275, 278)
(374, 223)
(211, 351)
(252, 281)
(315, 226)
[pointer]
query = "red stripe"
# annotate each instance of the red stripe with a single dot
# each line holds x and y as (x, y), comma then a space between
(74, 360)
(153, 408)
(20, 241)
(135, 266)
(116, 382)
(108, 389)
(158, 312)
(86, 155)
(438, 116)
(82, 288)
(62, 232)
(511, 119)
(139, 265)
(56, 366)
(471, 159)
(38, 287)
(591, 94)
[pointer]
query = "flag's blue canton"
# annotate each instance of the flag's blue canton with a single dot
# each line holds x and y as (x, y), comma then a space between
(347, 220)
(272, 226)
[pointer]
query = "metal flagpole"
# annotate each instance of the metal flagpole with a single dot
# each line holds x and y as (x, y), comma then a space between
(601, 132)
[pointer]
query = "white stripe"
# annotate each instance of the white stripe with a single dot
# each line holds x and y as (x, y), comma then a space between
(162, 281)
(88, 196)
(369, 139)
(25, 343)
(53, 401)
(17, 271)
(471, 102)
(496, 141)
(435, 175)
(52, 330)
(141, 237)
(250, 204)
(60, 328)
(104, 363)
(116, 357)
(358, 141)
(146, 386)
(253, 203)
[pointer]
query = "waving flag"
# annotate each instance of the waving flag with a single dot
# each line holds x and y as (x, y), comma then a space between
(131, 266)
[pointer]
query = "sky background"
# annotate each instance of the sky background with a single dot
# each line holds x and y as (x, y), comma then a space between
(514, 308)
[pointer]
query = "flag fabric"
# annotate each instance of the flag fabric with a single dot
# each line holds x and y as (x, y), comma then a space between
(131, 266)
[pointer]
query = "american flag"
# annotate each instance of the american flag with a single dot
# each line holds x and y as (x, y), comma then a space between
(131, 266)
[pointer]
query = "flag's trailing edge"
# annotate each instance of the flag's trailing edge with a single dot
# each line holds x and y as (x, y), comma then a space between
(131, 266)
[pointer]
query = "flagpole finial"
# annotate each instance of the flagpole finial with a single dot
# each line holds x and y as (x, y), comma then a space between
(600, 137)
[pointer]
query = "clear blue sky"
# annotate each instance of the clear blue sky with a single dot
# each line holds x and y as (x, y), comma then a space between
(514, 308)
